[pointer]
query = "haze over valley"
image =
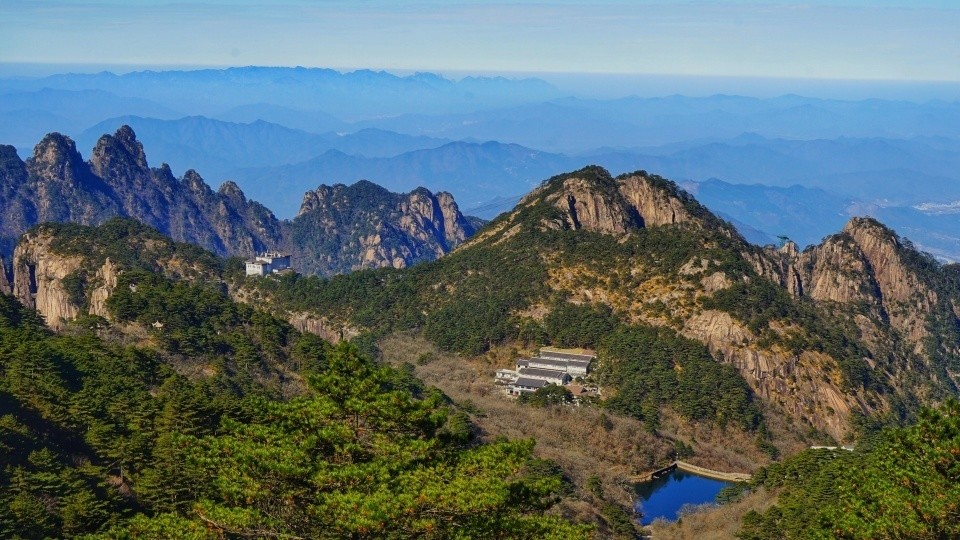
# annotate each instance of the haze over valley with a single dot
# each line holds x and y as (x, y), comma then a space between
(489, 140)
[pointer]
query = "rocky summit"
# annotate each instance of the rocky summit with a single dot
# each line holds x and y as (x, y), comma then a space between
(342, 228)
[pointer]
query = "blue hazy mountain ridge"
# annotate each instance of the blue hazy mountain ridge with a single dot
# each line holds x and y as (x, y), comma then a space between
(348, 95)
(476, 171)
(312, 121)
(25, 117)
(807, 215)
(898, 171)
(575, 125)
(218, 148)
(529, 112)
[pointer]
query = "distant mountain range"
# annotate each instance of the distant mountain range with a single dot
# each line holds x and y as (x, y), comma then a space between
(807, 215)
(574, 125)
(279, 132)
(353, 95)
(218, 148)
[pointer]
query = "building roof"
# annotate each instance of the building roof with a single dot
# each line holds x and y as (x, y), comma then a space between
(537, 372)
(582, 363)
(560, 364)
(530, 383)
(523, 362)
(544, 353)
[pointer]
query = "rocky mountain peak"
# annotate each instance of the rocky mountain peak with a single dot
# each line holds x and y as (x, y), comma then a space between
(56, 158)
(591, 199)
(789, 249)
(232, 191)
(367, 226)
(864, 266)
(194, 182)
(311, 201)
(884, 253)
(456, 226)
(657, 201)
(119, 156)
(163, 175)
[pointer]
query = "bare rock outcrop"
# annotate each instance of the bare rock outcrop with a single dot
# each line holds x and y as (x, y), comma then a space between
(796, 383)
(321, 326)
(341, 228)
(591, 209)
(105, 281)
(866, 265)
(655, 205)
(592, 200)
(38, 280)
(42, 280)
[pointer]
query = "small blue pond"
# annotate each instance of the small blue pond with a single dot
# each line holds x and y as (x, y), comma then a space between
(665, 496)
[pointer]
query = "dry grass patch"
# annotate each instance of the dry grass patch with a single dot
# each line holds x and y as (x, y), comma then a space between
(584, 441)
(588, 441)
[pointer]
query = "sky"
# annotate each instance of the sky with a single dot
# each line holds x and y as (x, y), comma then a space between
(894, 40)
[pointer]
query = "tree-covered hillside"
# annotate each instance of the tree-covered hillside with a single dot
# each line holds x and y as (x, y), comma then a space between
(903, 483)
(861, 325)
(227, 422)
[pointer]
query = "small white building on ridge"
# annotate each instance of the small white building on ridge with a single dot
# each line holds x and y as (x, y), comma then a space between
(271, 262)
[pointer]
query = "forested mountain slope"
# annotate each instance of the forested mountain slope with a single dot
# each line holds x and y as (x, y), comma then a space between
(900, 484)
(862, 325)
(178, 413)
(355, 227)
(688, 319)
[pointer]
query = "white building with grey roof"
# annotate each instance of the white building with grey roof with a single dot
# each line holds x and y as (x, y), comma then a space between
(549, 366)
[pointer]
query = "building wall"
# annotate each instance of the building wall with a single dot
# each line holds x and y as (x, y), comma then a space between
(258, 269)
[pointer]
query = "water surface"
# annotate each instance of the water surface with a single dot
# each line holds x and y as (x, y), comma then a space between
(665, 496)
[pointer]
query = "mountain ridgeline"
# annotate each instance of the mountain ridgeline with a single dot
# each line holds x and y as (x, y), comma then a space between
(369, 226)
(861, 325)
(687, 318)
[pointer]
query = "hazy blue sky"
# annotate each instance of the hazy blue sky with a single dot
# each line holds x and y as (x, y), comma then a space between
(895, 39)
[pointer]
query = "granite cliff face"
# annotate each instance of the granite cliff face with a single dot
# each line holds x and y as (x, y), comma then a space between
(343, 228)
(866, 267)
(65, 273)
(57, 185)
(38, 277)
